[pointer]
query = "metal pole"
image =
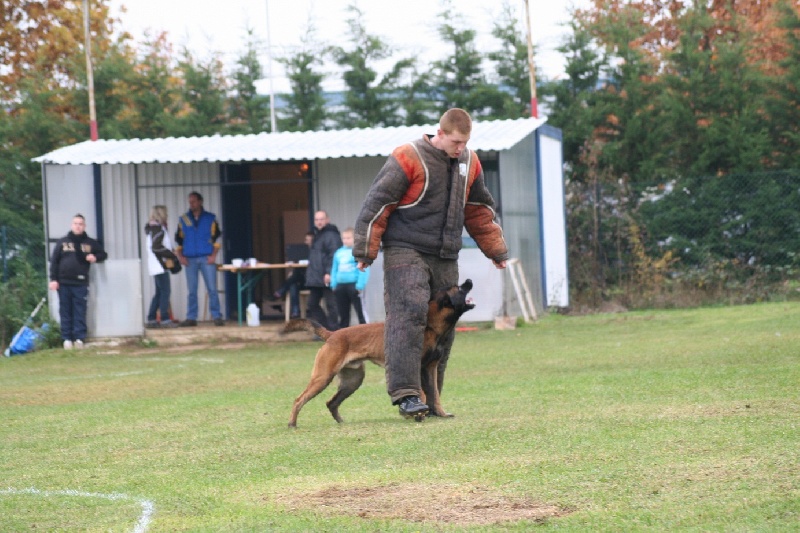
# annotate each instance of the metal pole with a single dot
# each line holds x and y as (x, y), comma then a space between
(89, 75)
(273, 125)
(531, 69)
(5, 254)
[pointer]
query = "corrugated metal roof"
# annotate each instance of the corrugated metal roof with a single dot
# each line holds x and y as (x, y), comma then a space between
(491, 135)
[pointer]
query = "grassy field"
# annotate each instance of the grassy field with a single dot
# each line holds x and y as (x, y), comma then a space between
(664, 420)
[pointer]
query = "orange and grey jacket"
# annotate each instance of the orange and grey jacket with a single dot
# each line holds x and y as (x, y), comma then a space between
(422, 199)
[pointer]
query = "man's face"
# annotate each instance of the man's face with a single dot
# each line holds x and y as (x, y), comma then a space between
(194, 203)
(454, 143)
(320, 220)
(78, 226)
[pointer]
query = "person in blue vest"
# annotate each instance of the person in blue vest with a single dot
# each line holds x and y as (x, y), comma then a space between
(196, 248)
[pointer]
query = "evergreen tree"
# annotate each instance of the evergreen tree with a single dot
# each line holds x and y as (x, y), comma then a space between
(575, 99)
(369, 100)
(783, 98)
(249, 111)
(31, 130)
(459, 77)
(417, 95)
(712, 96)
(202, 97)
(155, 92)
(305, 105)
(114, 77)
(511, 64)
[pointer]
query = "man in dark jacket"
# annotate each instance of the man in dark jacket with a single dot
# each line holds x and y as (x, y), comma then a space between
(427, 192)
(318, 275)
(69, 275)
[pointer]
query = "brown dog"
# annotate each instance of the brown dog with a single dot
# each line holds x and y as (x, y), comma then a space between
(345, 351)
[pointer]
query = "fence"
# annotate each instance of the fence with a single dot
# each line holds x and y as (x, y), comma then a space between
(20, 245)
(24, 277)
(737, 233)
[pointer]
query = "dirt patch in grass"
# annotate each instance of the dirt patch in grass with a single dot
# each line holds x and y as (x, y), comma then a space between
(450, 504)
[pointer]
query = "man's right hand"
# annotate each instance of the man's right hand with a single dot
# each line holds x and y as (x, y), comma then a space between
(362, 266)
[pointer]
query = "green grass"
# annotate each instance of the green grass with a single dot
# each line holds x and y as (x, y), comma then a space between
(646, 421)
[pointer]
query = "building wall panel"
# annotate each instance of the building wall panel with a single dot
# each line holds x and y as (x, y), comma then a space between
(343, 185)
(521, 217)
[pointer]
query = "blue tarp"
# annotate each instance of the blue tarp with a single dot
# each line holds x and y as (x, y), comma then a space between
(23, 342)
(26, 338)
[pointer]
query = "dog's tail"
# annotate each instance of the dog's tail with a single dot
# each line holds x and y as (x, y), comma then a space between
(305, 324)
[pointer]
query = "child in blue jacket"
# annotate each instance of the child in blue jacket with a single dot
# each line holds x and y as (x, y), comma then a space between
(347, 281)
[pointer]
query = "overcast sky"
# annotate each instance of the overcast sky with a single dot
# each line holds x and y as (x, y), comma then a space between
(407, 25)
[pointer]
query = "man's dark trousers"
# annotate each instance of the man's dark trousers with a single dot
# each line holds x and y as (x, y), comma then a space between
(72, 303)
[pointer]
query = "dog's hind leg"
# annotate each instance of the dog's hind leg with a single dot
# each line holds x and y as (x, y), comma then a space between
(350, 379)
(319, 380)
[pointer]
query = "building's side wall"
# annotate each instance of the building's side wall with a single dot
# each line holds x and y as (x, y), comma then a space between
(520, 218)
(554, 222)
(68, 190)
(115, 292)
(342, 185)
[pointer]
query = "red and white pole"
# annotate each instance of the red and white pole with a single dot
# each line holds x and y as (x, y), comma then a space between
(89, 74)
(531, 69)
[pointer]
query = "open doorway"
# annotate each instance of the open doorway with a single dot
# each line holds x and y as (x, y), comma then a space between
(266, 208)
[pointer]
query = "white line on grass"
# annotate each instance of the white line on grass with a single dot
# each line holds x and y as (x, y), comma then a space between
(100, 376)
(184, 359)
(201, 360)
(148, 507)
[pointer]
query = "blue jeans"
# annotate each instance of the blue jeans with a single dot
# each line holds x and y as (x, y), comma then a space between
(200, 265)
(160, 299)
(72, 300)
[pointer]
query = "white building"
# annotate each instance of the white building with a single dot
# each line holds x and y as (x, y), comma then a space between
(264, 189)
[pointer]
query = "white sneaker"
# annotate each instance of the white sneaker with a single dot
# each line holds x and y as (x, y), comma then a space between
(67, 345)
(79, 344)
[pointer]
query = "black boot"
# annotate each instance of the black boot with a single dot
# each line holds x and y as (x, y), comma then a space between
(412, 406)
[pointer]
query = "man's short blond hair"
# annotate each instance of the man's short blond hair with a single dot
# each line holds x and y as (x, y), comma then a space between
(456, 119)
